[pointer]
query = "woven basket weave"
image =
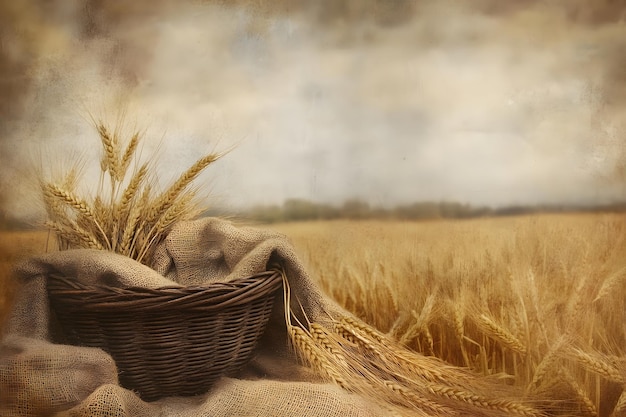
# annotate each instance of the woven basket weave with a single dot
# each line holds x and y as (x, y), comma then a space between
(167, 341)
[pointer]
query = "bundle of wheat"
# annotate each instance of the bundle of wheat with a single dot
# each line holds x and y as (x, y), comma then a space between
(129, 218)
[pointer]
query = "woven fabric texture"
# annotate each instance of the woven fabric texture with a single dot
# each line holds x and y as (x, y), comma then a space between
(38, 377)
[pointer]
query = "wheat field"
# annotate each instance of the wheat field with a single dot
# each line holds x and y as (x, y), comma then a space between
(537, 302)
(15, 246)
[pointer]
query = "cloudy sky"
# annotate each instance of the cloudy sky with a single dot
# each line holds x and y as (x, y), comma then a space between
(485, 102)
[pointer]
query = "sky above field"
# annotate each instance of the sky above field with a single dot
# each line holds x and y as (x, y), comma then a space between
(494, 104)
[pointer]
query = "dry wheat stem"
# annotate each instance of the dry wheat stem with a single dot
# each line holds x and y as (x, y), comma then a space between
(110, 159)
(611, 284)
(54, 210)
(170, 195)
(595, 363)
(417, 400)
(131, 190)
(380, 351)
(620, 407)
(421, 321)
(316, 357)
(588, 406)
(547, 363)
(80, 206)
(175, 212)
(74, 235)
(510, 407)
(64, 238)
(399, 325)
(397, 357)
(138, 238)
(322, 337)
(130, 231)
(499, 333)
(364, 328)
(128, 156)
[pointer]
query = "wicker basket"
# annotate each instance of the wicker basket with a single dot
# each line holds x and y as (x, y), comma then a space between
(167, 341)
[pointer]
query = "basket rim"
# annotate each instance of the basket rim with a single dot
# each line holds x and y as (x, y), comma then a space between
(74, 295)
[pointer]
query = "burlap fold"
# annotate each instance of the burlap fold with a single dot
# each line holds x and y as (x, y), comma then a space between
(41, 378)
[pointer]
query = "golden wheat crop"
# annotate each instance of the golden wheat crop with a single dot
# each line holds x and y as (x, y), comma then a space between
(15, 246)
(123, 216)
(537, 301)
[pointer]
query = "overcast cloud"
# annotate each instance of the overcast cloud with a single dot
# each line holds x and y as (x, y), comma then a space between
(519, 106)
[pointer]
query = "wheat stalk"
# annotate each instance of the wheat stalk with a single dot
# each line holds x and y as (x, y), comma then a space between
(421, 321)
(499, 333)
(595, 363)
(322, 338)
(71, 200)
(399, 361)
(369, 331)
(130, 223)
(128, 156)
(131, 190)
(418, 400)
(620, 407)
(111, 159)
(547, 363)
(587, 405)
(74, 235)
(81, 206)
(316, 357)
(611, 284)
(509, 407)
(130, 230)
(458, 317)
(175, 212)
(170, 195)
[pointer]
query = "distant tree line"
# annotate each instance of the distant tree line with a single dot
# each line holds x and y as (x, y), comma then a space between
(355, 209)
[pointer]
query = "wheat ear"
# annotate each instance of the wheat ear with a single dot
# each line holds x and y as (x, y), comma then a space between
(620, 407)
(170, 195)
(173, 213)
(611, 284)
(111, 158)
(499, 333)
(131, 190)
(421, 321)
(82, 208)
(128, 156)
(315, 356)
(75, 235)
(547, 363)
(509, 407)
(417, 400)
(597, 364)
(587, 405)
(130, 229)
(397, 358)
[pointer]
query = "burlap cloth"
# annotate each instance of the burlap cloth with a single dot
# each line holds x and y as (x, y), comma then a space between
(38, 377)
